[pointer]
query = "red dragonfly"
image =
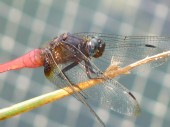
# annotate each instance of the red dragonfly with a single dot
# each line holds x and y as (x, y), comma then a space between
(73, 58)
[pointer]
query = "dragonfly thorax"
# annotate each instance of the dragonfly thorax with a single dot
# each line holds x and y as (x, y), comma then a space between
(95, 47)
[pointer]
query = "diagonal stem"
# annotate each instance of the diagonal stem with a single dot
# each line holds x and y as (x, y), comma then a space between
(36, 102)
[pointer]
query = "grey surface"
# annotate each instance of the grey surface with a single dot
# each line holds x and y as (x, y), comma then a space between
(28, 24)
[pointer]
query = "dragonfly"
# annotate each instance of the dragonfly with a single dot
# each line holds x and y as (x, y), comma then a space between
(70, 59)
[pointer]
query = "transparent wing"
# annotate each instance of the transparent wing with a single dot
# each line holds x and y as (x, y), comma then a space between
(124, 50)
(110, 94)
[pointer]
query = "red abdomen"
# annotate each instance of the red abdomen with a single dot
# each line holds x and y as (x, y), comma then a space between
(32, 59)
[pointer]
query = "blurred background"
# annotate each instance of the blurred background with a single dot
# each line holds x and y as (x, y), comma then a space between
(28, 24)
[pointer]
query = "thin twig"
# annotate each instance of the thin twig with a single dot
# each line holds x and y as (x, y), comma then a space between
(36, 102)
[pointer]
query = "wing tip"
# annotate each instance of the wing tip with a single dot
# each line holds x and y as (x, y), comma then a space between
(137, 110)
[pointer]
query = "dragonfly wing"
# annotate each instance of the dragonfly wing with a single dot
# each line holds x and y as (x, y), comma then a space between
(109, 94)
(124, 50)
(112, 95)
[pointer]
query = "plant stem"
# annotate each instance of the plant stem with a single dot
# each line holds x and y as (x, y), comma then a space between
(36, 102)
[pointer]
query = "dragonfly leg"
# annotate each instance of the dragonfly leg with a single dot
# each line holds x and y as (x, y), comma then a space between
(69, 67)
(81, 92)
(90, 70)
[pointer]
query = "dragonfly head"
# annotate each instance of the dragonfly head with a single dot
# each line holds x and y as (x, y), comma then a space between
(95, 47)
